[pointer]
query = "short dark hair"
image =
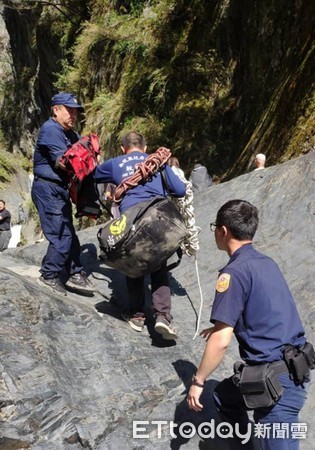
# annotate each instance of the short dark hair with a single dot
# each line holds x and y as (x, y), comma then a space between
(240, 217)
(133, 139)
(2, 201)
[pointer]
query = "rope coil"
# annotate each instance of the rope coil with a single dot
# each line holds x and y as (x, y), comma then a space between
(185, 205)
(143, 171)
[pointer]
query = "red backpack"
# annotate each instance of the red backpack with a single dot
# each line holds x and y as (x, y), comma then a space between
(80, 161)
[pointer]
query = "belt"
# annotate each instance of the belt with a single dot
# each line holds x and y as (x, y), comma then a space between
(279, 367)
(59, 183)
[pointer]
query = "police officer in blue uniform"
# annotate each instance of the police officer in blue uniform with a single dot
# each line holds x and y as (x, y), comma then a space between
(50, 195)
(253, 301)
(115, 170)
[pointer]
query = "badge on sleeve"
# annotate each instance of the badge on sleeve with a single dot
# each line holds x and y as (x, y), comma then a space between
(223, 282)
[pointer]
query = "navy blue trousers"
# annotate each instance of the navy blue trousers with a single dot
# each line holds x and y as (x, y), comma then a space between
(276, 421)
(55, 213)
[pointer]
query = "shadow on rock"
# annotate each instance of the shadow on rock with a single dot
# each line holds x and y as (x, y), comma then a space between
(117, 297)
(157, 339)
(207, 426)
(176, 287)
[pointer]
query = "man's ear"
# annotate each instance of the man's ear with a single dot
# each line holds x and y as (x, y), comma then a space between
(123, 149)
(224, 230)
(145, 148)
(54, 110)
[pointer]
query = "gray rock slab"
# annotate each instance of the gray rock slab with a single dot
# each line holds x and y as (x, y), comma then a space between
(73, 375)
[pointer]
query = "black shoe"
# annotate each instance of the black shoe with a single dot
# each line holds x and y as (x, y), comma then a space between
(79, 283)
(53, 283)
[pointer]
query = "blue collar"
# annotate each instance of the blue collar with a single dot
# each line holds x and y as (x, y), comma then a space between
(240, 251)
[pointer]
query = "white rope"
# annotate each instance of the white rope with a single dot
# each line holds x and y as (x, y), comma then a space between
(185, 205)
(190, 246)
(201, 300)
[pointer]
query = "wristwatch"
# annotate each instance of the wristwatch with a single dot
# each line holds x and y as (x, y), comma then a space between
(195, 382)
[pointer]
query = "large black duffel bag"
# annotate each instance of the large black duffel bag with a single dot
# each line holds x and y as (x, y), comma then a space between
(142, 239)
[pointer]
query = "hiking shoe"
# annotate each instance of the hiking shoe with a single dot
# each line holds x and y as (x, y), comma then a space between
(80, 284)
(164, 327)
(54, 284)
(136, 321)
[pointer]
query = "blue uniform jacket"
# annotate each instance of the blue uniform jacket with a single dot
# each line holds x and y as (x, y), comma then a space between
(52, 142)
(116, 169)
(253, 297)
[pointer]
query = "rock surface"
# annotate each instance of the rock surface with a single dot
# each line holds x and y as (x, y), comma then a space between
(73, 375)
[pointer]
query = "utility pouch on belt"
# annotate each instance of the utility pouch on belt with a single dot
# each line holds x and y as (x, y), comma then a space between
(300, 360)
(259, 385)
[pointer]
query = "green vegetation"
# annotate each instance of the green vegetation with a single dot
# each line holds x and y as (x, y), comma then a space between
(139, 72)
(7, 166)
(214, 80)
(23, 241)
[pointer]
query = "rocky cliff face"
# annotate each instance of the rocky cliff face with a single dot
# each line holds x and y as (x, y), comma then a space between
(219, 80)
(5, 55)
(273, 84)
(35, 58)
(73, 375)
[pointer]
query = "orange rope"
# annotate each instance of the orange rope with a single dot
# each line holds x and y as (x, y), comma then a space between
(143, 171)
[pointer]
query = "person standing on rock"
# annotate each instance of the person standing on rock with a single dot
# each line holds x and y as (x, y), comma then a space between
(115, 170)
(5, 226)
(253, 301)
(61, 266)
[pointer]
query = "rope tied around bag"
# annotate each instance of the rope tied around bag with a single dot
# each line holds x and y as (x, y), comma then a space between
(143, 172)
(185, 205)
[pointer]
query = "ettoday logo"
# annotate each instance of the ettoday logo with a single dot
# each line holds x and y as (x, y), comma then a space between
(206, 430)
(145, 429)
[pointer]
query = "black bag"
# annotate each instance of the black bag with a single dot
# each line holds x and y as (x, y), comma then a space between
(88, 199)
(142, 239)
(300, 360)
(259, 385)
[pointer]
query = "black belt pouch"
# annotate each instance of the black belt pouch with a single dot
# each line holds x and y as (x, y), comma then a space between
(259, 386)
(300, 361)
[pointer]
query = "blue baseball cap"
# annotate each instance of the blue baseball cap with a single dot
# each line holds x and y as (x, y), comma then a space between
(66, 99)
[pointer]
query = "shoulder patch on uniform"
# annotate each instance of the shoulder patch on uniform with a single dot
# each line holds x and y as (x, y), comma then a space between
(223, 282)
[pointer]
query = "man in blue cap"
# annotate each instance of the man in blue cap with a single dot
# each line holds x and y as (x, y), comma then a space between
(61, 265)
